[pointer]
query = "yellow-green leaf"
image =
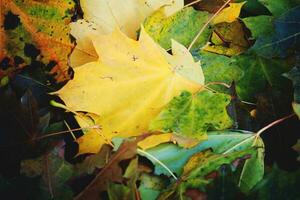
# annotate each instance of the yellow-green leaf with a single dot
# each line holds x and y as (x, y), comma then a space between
(163, 28)
(127, 90)
(229, 14)
(191, 115)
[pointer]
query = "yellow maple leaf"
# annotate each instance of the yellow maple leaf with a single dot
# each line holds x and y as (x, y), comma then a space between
(103, 16)
(93, 139)
(130, 83)
(229, 14)
(127, 15)
(155, 140)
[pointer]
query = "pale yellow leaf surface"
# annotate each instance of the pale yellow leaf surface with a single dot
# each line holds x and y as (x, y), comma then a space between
(155, 140)
(93, 139)
(91, 142)
(186, 67)
(84, 51)
(128, 86)
(103, 16)
(127, 15)
(229, 14)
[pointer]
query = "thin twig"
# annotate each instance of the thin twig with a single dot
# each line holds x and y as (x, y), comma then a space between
(207, 23)
(255, 136)
(192, 3)
(272, 124)
(68, 131)
(249, 103)
(71, 131)
(218, 83)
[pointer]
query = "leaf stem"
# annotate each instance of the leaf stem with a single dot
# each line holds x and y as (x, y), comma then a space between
(273, 124)
(140, 151)
(71, 131)
(255, 136)
(68, 131)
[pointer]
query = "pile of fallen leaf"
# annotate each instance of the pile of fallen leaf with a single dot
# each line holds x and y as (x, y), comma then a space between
(148, 99)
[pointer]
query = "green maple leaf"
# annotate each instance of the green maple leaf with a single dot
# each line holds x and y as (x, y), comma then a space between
(162, 29)
(275, 36)
(192, 115)
(218, 68)
(258, 73)
(278, 7)
(259, 25)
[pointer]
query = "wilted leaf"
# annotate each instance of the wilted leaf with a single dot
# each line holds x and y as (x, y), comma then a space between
(128, 190)
(162, 28)
(228, 39)
(111, 171)
(37, 30)
(192, 115)
(211, 6)
(96, 161)
(129, 89)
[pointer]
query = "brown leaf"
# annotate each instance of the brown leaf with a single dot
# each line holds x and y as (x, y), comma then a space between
(211, 6)
(111, 172)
